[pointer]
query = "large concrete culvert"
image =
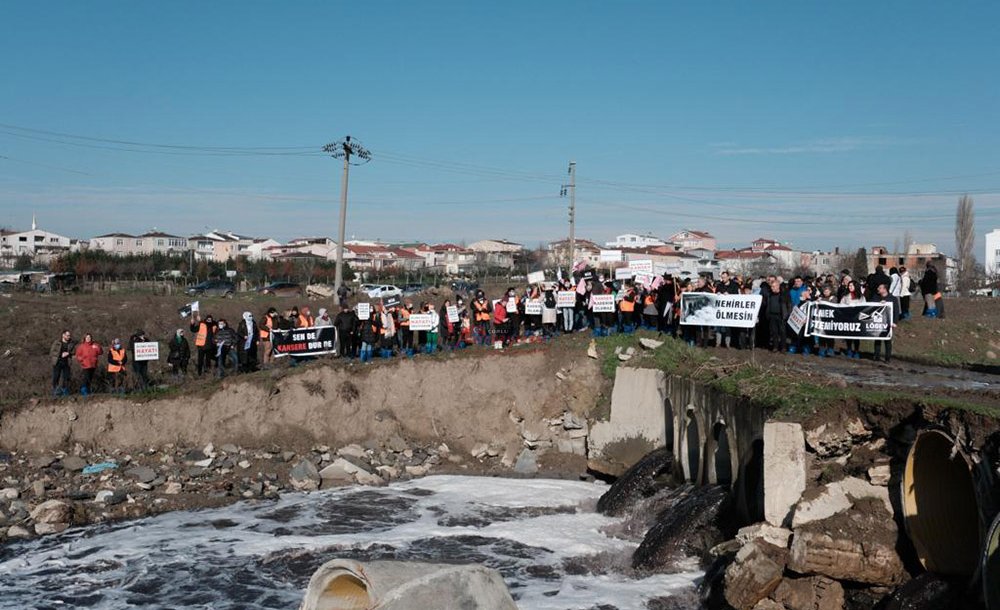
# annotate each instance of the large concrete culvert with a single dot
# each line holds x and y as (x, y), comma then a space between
(692, 449)
(940, 506)
(721, 459)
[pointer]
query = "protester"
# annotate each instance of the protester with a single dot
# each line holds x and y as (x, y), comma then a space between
(225, 344)
(204, 341)
(117, 359)
(247, 336)
(346, 322)
(178, 355)
(777, 309)
(908, 287)
(933, 301)
(139, 367)
(87, 354)
(884, 296)
(269, 322)
(61, 351)
(853, 296)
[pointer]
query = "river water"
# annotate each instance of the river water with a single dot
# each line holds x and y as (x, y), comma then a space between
(543, 535)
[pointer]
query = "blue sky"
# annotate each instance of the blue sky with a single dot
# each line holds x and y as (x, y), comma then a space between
(817, 123)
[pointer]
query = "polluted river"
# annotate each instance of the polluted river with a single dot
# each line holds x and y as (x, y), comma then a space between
(553, 548)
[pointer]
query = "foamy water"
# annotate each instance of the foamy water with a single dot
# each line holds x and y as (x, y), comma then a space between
(541, 534)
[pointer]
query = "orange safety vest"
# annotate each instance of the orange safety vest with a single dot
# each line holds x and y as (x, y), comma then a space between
(265, 329)
(115, 355)
(404, 318)
(627, 306)
(305, 321)
(482, 311)
(202, 337)
(650, 300)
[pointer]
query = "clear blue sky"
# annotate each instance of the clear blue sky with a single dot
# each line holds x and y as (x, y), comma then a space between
(818, 123)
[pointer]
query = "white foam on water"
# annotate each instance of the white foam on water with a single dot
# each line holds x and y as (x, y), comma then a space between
(527, 528)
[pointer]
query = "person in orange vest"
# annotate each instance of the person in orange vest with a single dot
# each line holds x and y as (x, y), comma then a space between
(204, 340)
(87, 354)
(626, 309)
(266, 325)
(481, 315)
(117, 359)
(405, 334)
(305, 318)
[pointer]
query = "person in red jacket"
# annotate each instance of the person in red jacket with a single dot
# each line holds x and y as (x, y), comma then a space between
(499, 324)
(87, 354)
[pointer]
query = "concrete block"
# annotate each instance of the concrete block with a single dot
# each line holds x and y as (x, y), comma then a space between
(830, 500)
(784, 470)
(638, 422)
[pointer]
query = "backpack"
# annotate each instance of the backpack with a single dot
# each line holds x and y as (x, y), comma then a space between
(912, 287)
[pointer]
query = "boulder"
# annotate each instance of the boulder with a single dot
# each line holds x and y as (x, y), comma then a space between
(838, 551)
(143, 474)
(879, 474)
(592, 349)
(650, 343)
(9, 493)
(814, 593)
(397, 444)
(304, 476)
(527, 463)
(72, 463)
(784, 470)
(754, 574)
(777, 536)
(336, 473)
(229, 448)
(822, 504)
(834, 438)
(52, 511)
(479, 450)
(353, 450)
(43, 529)
(859, 489)
(173, 488)
(571, 422)
(768, 604)
(16, 531)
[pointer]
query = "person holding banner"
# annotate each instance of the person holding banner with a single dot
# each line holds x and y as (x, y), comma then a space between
(204, 341)
(853, 296)
(264, 332)
(449, 336)
(825, 345)
(626, 309)
(369, 335)
(549, 314)
(885, 297)
(405, 334)
(387, 322)
(139, 367)
(434, 332)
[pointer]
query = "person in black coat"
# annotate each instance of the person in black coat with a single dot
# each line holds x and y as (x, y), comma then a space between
(139, 367)
(179, 354)
(777, 307)
(346, 324)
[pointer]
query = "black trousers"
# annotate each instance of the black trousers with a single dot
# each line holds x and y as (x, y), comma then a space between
(776, 324)
(60, 374)
(888, 350)
(88, 378)
(206, 358)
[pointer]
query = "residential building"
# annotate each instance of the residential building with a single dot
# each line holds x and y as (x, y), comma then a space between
(260, 249)
(451, 258)
(158, 242)
(116, 244)
(787, 259)
(320, 246)
(821, 263)
(496, 252)
(633, 240)
(586, 251)
(228, 245)
(41, 246)
(689, 240)
(203, 247)
(747, 262)
(380, 257)
(496, 245)
(915, 259)
(992, 259)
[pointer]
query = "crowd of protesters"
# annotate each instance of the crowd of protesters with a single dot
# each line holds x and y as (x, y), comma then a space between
(531, 314)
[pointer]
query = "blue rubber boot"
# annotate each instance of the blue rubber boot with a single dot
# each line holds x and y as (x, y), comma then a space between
(791, 349)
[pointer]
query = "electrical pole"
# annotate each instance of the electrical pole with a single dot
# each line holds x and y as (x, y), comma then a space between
(571, 190)
(345, 148)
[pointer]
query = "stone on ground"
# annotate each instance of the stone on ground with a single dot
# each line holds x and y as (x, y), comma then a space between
(754, 574)
(784, 470)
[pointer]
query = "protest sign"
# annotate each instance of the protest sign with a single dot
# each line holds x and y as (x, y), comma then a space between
(602, 303)
(566, 298)
(641, 277)
(452, 313)
(610, 256)
(533, 308)
(511, 305)
(146, 351)
(421, 321)
(710, 309)
(309, 341)
(664, 268)
(188, 310)
(623, 273)
(588, 275)
(391, 302)
(364, 311)
(643, 265)
(798, 317)
(536, 277)
(872, 321)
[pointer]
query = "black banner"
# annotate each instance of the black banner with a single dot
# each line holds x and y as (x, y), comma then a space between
(872, 321)
(311, 341)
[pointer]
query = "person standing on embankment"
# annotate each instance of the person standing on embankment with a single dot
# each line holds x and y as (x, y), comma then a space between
(59, 354)
(87, 354)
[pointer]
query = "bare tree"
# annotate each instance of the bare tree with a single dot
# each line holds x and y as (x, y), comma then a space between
(965, 238)
(895, 246)
(907, 241)
(859, 266)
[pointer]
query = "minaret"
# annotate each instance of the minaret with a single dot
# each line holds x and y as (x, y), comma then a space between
(34, 225)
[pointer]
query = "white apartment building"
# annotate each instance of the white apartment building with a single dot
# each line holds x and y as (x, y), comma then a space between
(992, 259)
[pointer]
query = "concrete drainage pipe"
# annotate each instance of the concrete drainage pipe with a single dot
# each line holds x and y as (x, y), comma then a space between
(940, 507)
(343, 584)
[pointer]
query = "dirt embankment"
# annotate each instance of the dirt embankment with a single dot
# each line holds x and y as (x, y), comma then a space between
(461, 401)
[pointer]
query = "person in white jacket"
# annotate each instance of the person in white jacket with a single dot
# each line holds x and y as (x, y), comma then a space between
(432, 334)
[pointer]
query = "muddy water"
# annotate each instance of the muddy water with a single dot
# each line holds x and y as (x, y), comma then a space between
(543, 536)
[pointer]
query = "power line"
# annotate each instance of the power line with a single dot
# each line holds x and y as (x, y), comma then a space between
(46, 165)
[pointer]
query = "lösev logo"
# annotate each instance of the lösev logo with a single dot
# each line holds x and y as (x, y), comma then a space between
(871, 321)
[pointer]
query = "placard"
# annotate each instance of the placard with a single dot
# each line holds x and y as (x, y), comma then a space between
(643, 265)
(421, 321)
(308, 341)
(364, 311)
(536, 277)
(533, 308)
(566, 298)
(797, 318)
(640, 277)
(623, 273)
(188, 310)
(602, 303)
(511, 305)
(872, 321)
(391, 302)
(452, 311)
(146, 351)
(710, 309)
(610, 256)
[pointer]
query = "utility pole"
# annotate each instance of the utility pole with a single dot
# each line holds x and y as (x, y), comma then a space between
(571, 190)
(345, 148)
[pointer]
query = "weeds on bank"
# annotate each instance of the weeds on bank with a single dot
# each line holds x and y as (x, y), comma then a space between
(775, 388)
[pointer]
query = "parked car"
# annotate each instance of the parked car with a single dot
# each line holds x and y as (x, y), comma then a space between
(282, 289)
(412, 289)
(464, 286)
(213, 288)
(382, 291)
